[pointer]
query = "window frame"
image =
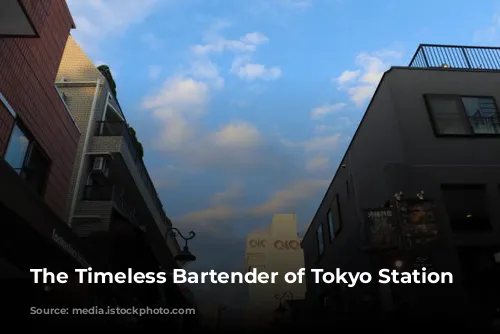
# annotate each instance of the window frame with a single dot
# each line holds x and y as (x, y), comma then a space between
(321, 250)
(336, 202)
(463, 111)
(32, 144)
(331, 225)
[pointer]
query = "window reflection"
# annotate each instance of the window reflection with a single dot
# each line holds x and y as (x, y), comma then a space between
(16, 151)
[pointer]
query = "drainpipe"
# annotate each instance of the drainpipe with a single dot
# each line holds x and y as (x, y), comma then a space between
(88, 135)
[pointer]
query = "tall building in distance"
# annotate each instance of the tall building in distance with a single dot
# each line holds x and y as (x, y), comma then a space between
(275, 249)
(418, 186)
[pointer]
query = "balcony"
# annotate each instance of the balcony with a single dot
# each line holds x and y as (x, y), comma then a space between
(457, 57)
(15, 20)
(114, 136)
(109, 193)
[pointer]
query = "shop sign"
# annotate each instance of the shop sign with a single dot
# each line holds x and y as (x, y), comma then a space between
(381, 228)
(287, 244)
(278, 244)
(256, 243)
(59, 240)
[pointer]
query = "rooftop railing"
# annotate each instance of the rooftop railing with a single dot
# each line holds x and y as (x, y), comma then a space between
(455, 56)
(111, 129)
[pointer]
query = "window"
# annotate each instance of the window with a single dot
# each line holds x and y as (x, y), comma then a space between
(331, 227)
(463, 115)
(321, 241)
(337, 216)
(466, 207)
(28, 160)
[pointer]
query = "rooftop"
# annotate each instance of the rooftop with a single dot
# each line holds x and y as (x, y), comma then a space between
(456, 56)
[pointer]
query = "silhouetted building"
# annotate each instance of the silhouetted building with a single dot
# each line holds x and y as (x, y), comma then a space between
(417, 187)
(114, 205)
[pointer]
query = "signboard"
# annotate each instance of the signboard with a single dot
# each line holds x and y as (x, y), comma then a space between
(292, 244)
(257, 243)
(69, 249)
(423, 262)
(381, 228)
(418, 222)
(278, 244)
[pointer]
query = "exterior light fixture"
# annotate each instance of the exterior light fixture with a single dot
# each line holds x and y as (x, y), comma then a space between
(398, 264)
(445, 65)
(185, 255)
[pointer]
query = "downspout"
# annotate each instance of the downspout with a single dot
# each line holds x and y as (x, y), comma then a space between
(88, 135)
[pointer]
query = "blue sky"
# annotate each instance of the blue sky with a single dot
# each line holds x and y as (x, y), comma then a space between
(246, 107)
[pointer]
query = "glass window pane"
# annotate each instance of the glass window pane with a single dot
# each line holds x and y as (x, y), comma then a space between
(319, 234)
(16, 151)
(331, 226)
(448, 116)
(482, 114)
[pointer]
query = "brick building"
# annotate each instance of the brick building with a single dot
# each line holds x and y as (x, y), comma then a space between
(27, 75)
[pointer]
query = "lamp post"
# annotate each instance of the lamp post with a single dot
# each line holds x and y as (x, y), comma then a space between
(281, 308)
(185, 255)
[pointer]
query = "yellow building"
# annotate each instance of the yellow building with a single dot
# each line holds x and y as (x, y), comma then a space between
(276, 249)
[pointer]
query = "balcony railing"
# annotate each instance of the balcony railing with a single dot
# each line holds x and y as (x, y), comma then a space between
(455, 56)
(109, 193)
(120, 129)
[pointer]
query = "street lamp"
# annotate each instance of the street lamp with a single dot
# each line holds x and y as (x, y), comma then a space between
(281, 308)
(185, 255)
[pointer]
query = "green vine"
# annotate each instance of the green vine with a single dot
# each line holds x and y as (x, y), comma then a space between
(136, 141)
(104, 69)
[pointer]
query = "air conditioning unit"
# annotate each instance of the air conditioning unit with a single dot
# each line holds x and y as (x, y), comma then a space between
(101, 165)
(64, 97)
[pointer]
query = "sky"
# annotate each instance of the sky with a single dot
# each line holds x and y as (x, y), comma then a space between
(245, 108)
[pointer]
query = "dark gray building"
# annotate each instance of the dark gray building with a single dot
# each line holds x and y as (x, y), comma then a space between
(433, 127)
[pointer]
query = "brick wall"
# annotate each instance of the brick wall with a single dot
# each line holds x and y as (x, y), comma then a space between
(27, 75)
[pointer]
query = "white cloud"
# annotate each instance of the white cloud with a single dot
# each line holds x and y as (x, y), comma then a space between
(326, 109)
(98, 20)
(206, 69)
(347, 77)
(222, 208)
(316, 144)
(360, 84)
(154, 71)
(217, 44)
(237, 135)
(178, 103)
(317, 163)
(287, 199)
(243, 68)
(321, 129)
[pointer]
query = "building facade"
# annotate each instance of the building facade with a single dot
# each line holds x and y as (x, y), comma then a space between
(427, 138)
(38, 142)
(114, 205)
(276, 249)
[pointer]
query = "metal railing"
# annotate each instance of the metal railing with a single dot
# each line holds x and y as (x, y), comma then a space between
(121, 129)
(456, 56)
(109, 193)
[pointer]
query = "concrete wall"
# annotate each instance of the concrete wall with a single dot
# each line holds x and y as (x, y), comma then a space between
(27, 75)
